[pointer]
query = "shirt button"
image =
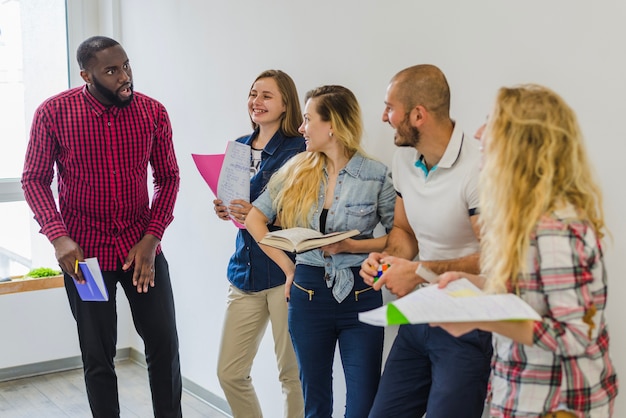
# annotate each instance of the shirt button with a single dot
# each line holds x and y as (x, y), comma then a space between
(108, 123)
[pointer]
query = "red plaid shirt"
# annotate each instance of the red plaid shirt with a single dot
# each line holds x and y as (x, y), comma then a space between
(568, 367)
(102, 156)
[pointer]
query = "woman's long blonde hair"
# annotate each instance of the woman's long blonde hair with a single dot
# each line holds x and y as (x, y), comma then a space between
(295, 187)
(534, 162)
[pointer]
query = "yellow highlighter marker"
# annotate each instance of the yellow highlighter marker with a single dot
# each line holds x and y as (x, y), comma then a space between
(76, 267)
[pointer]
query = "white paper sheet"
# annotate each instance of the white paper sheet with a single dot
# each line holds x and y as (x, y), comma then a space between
(460, 301)
(234, 181)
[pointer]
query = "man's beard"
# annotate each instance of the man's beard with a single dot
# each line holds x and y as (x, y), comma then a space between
(407, 135)
(111, 96)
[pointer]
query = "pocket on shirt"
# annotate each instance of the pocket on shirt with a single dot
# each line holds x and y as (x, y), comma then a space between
(361, 216)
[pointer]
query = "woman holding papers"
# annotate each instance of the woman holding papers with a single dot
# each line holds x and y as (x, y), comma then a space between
(332, 187)
(256, 292)
(542, 228)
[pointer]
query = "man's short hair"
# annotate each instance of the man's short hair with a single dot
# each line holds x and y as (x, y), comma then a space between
(87, 50)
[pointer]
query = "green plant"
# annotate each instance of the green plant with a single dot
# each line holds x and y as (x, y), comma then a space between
(43, 272)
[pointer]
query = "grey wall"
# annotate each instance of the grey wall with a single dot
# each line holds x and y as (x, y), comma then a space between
(199, 58)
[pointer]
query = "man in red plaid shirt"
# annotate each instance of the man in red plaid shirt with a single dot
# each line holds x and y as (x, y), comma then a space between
(102, 136)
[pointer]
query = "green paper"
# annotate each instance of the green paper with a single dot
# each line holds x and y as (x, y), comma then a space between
(394, 316)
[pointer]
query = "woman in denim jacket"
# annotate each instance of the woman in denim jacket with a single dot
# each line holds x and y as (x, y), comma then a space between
(256, 289)
(332, 187)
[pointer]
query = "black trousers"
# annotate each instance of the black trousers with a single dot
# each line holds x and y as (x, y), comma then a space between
(155, 321)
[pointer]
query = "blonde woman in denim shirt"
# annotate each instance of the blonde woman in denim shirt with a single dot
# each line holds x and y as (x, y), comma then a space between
(332, 187)
(256, 292)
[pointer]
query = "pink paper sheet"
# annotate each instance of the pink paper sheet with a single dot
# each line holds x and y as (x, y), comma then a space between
(209, 166)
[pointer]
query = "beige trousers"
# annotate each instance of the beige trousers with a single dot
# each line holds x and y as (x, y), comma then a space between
(247, 315)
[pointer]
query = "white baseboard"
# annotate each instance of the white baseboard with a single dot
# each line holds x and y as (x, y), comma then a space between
(51, 366)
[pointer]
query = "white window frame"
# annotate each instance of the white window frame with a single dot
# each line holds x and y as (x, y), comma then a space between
(84, 18)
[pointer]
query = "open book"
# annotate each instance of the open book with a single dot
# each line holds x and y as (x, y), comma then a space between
(459, 301)
(93, 289)
(298, 240)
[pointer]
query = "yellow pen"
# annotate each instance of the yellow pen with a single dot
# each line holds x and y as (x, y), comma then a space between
(76, 267)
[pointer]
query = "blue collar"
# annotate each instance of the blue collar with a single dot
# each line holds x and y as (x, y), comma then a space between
(420, 164)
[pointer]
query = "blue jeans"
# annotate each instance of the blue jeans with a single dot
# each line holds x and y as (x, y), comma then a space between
(316, 323)
(429, 371)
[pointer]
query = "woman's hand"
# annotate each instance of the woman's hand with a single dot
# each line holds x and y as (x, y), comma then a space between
(288, 283)
(343, 246)
(239, 209)
(220, 210)
(450, 276)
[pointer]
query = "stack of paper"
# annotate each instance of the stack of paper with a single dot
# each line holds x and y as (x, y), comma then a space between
(460, 301)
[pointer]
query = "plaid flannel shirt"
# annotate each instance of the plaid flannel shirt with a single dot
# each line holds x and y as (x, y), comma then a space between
(568, 367)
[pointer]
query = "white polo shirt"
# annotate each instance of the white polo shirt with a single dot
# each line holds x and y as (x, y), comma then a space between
(439, 203)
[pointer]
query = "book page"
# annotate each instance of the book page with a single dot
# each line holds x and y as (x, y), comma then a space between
(295, 235)
(303, 239)
(460, 301)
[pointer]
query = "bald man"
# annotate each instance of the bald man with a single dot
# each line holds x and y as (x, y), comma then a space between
(435, 174)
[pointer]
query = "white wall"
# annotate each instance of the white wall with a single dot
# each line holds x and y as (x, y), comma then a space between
(199, 57)
(38, 327)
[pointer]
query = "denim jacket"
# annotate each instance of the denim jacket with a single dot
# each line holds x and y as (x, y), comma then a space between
(364, 196)
(249, 268)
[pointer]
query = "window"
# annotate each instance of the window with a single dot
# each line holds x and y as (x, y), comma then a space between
(33, 66)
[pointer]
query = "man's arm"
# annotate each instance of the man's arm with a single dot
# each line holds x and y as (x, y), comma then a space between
(401, 241)
(469, 263)
(37, 176)
(401, 277)
(256, 224)
(165, 173)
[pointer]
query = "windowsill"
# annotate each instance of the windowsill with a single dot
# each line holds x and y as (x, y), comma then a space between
(27, 285)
